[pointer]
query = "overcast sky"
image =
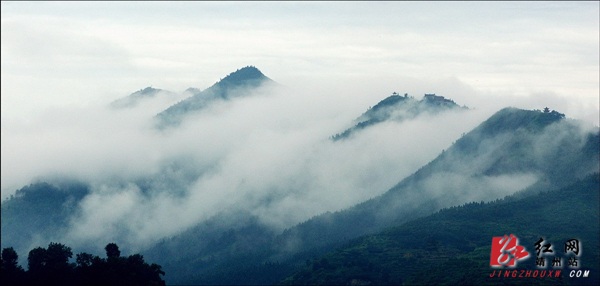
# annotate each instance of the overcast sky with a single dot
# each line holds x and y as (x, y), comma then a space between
(66, 53)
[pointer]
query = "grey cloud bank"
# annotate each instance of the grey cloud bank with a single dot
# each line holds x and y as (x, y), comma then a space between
(268, 154)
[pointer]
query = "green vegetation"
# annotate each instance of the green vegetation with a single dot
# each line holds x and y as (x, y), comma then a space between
(51, 266)
(550, 147)
(509, 118)
(39, 210)
(453, 246)
(503, 145)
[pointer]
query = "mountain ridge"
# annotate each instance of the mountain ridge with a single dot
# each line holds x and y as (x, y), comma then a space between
(399, 108)
(453, 244)
(506, 149)
(136, 97)
(485, 181)
(236, 84)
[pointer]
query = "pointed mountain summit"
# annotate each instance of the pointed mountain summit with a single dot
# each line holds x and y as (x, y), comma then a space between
(237, 84)
(244, 77)
(399, 108)
(135, 98)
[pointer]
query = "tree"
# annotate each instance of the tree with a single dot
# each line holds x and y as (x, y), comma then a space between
(58, 255)
(10, 259)
(112, 251)
(11, 272)
(84, 260)
(58, 269)
(36, 261)
(50, 266)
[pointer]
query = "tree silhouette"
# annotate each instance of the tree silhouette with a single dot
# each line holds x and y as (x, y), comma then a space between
(84, 260)
(36, 261)
(9, 259)
(11, 273)
(112, 251)
(57, 267)
(50, 266)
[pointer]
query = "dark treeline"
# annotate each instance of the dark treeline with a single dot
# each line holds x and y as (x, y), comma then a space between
(51, 266)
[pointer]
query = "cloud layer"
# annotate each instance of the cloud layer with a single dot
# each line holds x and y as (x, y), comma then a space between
(268, 154)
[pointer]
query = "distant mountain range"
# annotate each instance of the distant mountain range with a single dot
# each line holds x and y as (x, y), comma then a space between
(511, 150)
(243, 82)
(530, 172)
(514, 150)
(237, 84)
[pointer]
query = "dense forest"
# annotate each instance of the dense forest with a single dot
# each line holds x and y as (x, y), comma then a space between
(453, 245)
(52, 266)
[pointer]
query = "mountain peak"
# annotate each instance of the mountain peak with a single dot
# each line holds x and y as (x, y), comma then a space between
(510, 119)
(399, 108)
(437, 100)
(146, 92)
(390, 101)
(134, 98)
(246, 72)
(237, 84)
(246, 75)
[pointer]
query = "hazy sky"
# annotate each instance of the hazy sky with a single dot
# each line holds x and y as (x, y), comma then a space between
(66, 53)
